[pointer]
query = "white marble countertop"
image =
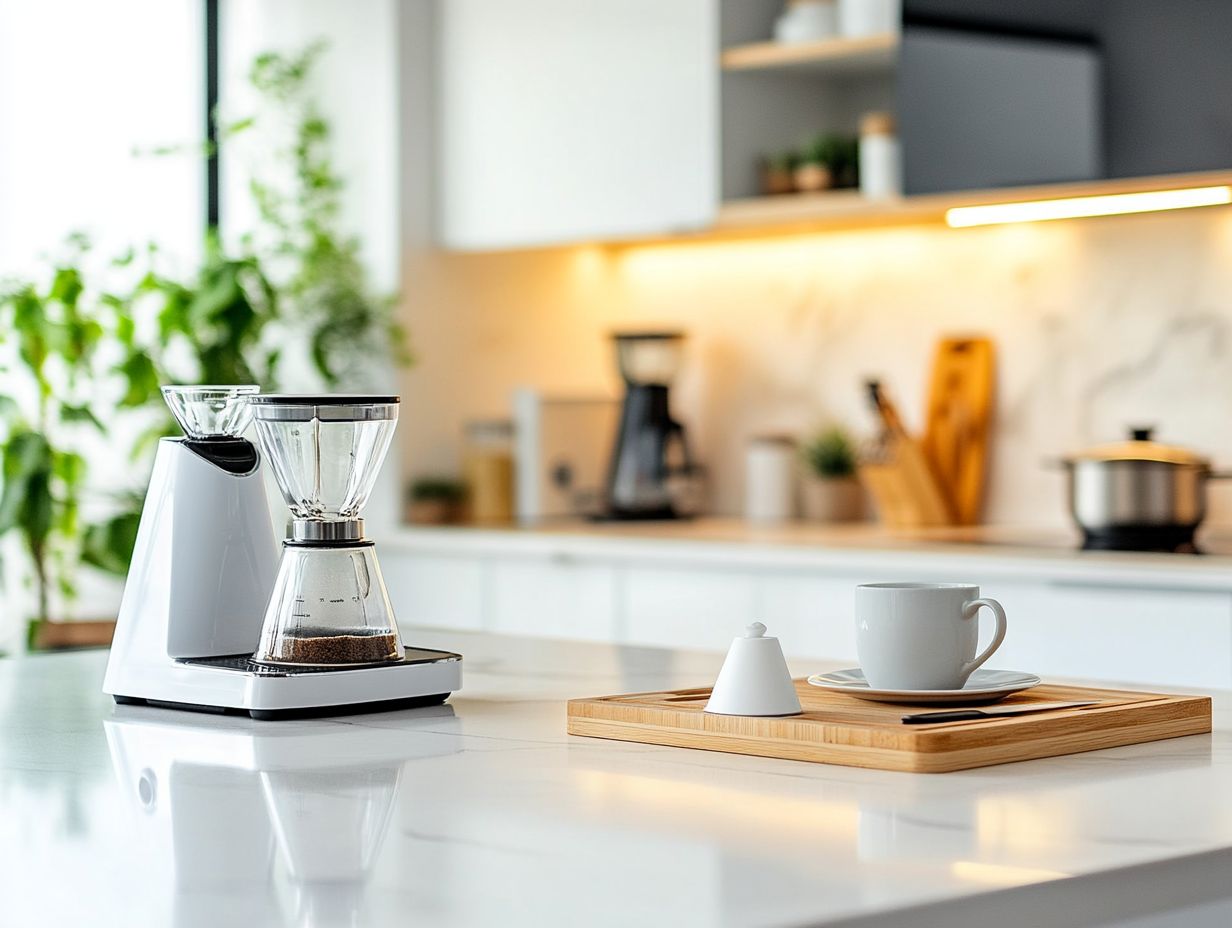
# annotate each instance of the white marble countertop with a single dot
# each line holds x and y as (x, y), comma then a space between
(484, 812)
(996, 551)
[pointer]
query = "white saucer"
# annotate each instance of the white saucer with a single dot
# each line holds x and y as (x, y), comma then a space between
(983, 687)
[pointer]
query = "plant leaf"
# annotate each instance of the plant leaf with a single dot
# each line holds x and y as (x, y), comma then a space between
(66, 286)
(142, 378)
(26, 453)
(69, 413)
(109, 545)
(26, 502)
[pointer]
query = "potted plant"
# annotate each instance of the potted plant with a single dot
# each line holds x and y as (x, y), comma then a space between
(842, 153)
(831, 492)
(778, 173)
(435, 501)
(829, 161)
(44, 425)
(812, 173)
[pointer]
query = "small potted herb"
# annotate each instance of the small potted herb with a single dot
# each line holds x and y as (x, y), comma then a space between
(435, 501)
(778, 173)
(812, 173)
(829, 161)
(842, 154)
(831, 492)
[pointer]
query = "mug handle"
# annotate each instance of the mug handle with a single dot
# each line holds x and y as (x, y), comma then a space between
(971, 611)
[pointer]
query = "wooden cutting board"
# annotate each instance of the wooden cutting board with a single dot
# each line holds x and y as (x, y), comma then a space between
(839, 729)
(958, 421)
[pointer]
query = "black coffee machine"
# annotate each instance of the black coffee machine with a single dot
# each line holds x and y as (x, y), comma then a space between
(650, 457)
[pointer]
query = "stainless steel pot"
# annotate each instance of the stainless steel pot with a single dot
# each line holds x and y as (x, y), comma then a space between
(1138, 494)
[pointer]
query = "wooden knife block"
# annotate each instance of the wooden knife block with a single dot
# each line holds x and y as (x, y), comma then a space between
(904, 487)
(938, 479)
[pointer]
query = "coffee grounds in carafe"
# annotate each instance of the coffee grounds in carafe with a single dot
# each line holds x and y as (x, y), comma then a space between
(336, 649)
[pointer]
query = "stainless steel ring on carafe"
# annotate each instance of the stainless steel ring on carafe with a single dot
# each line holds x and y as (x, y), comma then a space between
(329, 606)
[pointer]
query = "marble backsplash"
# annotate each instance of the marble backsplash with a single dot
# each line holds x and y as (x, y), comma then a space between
(1099, 324)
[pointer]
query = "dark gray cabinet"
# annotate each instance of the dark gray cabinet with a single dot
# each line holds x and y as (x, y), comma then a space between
(1003, 93)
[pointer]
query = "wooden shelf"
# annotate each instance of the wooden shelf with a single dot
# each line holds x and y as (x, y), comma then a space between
(786, 209)
(846, 209)
(829, 56)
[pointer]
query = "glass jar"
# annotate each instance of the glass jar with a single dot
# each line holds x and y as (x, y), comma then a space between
(488, 470)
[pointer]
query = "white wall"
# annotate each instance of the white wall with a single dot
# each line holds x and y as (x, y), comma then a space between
(83, 85)
(357, 88)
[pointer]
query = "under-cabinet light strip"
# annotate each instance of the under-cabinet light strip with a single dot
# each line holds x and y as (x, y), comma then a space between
(1116, 204)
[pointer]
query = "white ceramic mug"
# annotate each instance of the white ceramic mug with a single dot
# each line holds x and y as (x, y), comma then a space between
(922, 636)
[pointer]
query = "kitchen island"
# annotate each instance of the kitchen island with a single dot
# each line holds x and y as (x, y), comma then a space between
(485, 812)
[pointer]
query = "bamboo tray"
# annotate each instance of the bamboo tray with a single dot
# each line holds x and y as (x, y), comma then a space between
(839, 729)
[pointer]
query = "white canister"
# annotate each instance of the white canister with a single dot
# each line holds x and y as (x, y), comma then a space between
(807, 21)
(770, 479)
(880, 159)
(869, 17)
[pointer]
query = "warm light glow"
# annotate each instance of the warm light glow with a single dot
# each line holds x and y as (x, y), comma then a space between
(972, 871)
(1076, 207)
(1025, 826)
(803, 818)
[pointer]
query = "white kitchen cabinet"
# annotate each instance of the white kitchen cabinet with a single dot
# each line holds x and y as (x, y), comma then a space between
(664, 606)
(562, 121)
(553, 597)
(1169, 637)
(811, 614)
(440, 591)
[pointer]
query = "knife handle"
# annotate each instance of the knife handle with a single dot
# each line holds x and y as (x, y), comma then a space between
(953, 715)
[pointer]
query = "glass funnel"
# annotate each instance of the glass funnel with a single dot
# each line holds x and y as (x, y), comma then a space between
(208, 411)
(648, 357)
(329, 606)
(325, 450)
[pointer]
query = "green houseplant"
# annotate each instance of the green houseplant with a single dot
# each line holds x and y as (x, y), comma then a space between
(54, 331)
(435, 500)
(829, 161)
(812, 173)
(831, 492)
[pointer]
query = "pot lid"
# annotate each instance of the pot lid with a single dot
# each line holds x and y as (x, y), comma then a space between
(1141, 446)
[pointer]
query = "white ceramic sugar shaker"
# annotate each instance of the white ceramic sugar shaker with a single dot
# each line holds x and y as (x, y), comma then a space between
(754, 679)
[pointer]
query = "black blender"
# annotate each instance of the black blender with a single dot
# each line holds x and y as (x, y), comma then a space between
(650, 460)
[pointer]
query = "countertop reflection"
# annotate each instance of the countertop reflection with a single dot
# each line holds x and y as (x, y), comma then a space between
(484, 811)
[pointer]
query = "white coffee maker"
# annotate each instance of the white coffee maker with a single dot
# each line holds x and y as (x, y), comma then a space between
(206, 563)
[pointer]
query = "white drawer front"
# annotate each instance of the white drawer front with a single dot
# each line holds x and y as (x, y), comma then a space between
(687, 608)
(555, 599)
(811, 615)
(436, 590)
(1157, 637)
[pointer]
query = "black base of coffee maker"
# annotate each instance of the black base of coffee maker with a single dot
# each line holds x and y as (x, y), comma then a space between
(663, 514)
(1171, 539)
